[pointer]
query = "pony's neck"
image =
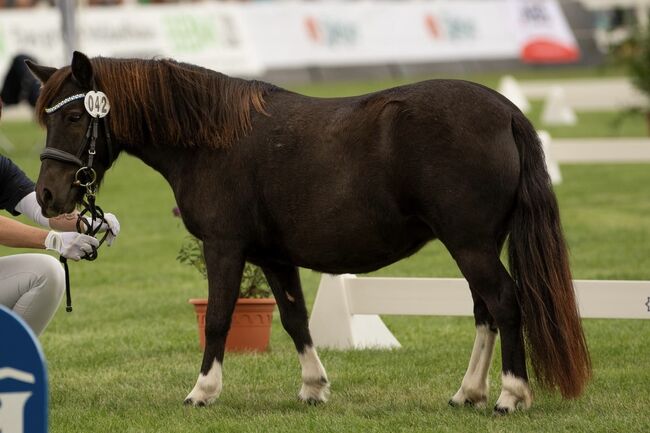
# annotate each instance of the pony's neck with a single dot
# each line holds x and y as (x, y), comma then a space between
(166, 160)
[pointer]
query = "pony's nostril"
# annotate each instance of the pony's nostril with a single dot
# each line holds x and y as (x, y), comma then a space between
(47, 196)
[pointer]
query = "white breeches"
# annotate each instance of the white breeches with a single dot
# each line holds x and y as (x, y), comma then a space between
(32, 286)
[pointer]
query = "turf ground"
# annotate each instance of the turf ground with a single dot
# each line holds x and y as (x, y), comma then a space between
(127, 356)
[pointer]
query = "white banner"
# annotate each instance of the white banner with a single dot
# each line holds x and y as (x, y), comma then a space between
(248, 38)
(210, 35)
(292, 34)
(378, 32)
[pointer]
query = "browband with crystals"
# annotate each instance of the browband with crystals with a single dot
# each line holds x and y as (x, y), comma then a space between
(67, 100)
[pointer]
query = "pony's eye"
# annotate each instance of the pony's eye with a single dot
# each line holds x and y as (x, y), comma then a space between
(73, 117)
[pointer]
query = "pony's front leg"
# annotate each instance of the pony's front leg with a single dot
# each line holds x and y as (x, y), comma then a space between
(225, 267)
(285, 283)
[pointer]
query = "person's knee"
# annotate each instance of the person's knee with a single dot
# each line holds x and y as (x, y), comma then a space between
(51, 275)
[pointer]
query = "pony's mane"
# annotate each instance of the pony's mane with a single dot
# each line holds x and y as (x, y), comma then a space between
(168, 103)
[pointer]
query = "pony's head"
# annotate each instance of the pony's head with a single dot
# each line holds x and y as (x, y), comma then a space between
(61, 109)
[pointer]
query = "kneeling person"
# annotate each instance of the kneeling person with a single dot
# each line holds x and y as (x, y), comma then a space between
(32, 285)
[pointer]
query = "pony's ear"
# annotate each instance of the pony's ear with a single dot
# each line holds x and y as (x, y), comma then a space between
(43, 73)
(82, 70)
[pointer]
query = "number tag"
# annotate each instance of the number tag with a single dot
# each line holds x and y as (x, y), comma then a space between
(97, 104)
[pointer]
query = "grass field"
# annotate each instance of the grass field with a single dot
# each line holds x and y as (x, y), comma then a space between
(127, 356)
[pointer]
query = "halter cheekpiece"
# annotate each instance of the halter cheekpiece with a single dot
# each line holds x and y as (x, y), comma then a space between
(97, 106)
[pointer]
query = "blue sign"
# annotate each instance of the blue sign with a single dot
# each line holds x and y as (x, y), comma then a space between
(23, 377)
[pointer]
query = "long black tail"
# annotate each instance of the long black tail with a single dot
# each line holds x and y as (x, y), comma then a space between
(539, 264)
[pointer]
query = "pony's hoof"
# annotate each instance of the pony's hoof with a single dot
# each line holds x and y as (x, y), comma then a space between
(479, 404)
(315, 392)
(191, 402)
(466, 403)
(515, 395)
(311, 401)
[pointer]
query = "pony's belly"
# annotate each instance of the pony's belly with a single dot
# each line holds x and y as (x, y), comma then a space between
(362, 250)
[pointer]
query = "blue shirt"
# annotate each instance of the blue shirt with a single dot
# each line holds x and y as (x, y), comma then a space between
(14, 185)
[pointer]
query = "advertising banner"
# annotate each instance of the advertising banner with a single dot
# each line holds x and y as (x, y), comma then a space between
(248, 38)
(367, 32)
(209, 35)
(543, 33)
(292, 34)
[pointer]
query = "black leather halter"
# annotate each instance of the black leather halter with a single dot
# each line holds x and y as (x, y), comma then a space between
(89, 141)
(84, 177)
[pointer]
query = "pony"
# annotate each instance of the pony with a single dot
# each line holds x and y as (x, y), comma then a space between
(337, 185)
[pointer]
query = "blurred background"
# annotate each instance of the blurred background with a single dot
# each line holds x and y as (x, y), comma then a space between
(291, 41)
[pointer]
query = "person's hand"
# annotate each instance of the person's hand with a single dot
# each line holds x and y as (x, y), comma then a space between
(70, 245)
(110, 223)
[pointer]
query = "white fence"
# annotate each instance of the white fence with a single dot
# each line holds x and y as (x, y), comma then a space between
(589, 94)
(345, 313)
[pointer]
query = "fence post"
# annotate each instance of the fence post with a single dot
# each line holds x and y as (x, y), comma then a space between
(333, 323)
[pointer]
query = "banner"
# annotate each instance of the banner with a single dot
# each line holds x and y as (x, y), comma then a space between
(370, 32)
(544, 35)
(209, 35)
(249, 38)
(292, 34)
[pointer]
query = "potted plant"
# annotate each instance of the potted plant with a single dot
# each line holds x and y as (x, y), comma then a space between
(251, 321)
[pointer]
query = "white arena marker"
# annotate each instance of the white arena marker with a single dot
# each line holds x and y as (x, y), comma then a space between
(346, 312)
(509, 87)
(551, 163)
(557, 111)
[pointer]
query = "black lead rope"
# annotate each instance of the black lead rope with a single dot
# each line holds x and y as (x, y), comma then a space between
(68, 296)
(91, 229)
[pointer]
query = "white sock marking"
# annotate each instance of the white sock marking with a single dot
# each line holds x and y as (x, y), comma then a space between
(475, 382)
(315, 386)
(208, 387)
(514, 391)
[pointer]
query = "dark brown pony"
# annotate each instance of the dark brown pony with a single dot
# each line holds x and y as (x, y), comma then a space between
(341, 185)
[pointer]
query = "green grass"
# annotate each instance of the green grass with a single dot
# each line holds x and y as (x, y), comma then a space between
(128, 354)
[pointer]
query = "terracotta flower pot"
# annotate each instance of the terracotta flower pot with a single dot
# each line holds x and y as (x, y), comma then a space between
(251, 324)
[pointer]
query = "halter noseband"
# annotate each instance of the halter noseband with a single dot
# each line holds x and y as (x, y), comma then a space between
(84, 177)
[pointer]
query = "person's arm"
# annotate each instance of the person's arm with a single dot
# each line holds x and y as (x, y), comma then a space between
(29, 207)
(71, 245)
(18, 235)
(66, 222)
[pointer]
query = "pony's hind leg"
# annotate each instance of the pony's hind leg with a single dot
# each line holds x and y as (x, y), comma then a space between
(491, 282)
(474, 388)
(285, 284)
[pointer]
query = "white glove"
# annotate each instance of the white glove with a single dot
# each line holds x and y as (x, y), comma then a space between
(111, 223)
(70, 245)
